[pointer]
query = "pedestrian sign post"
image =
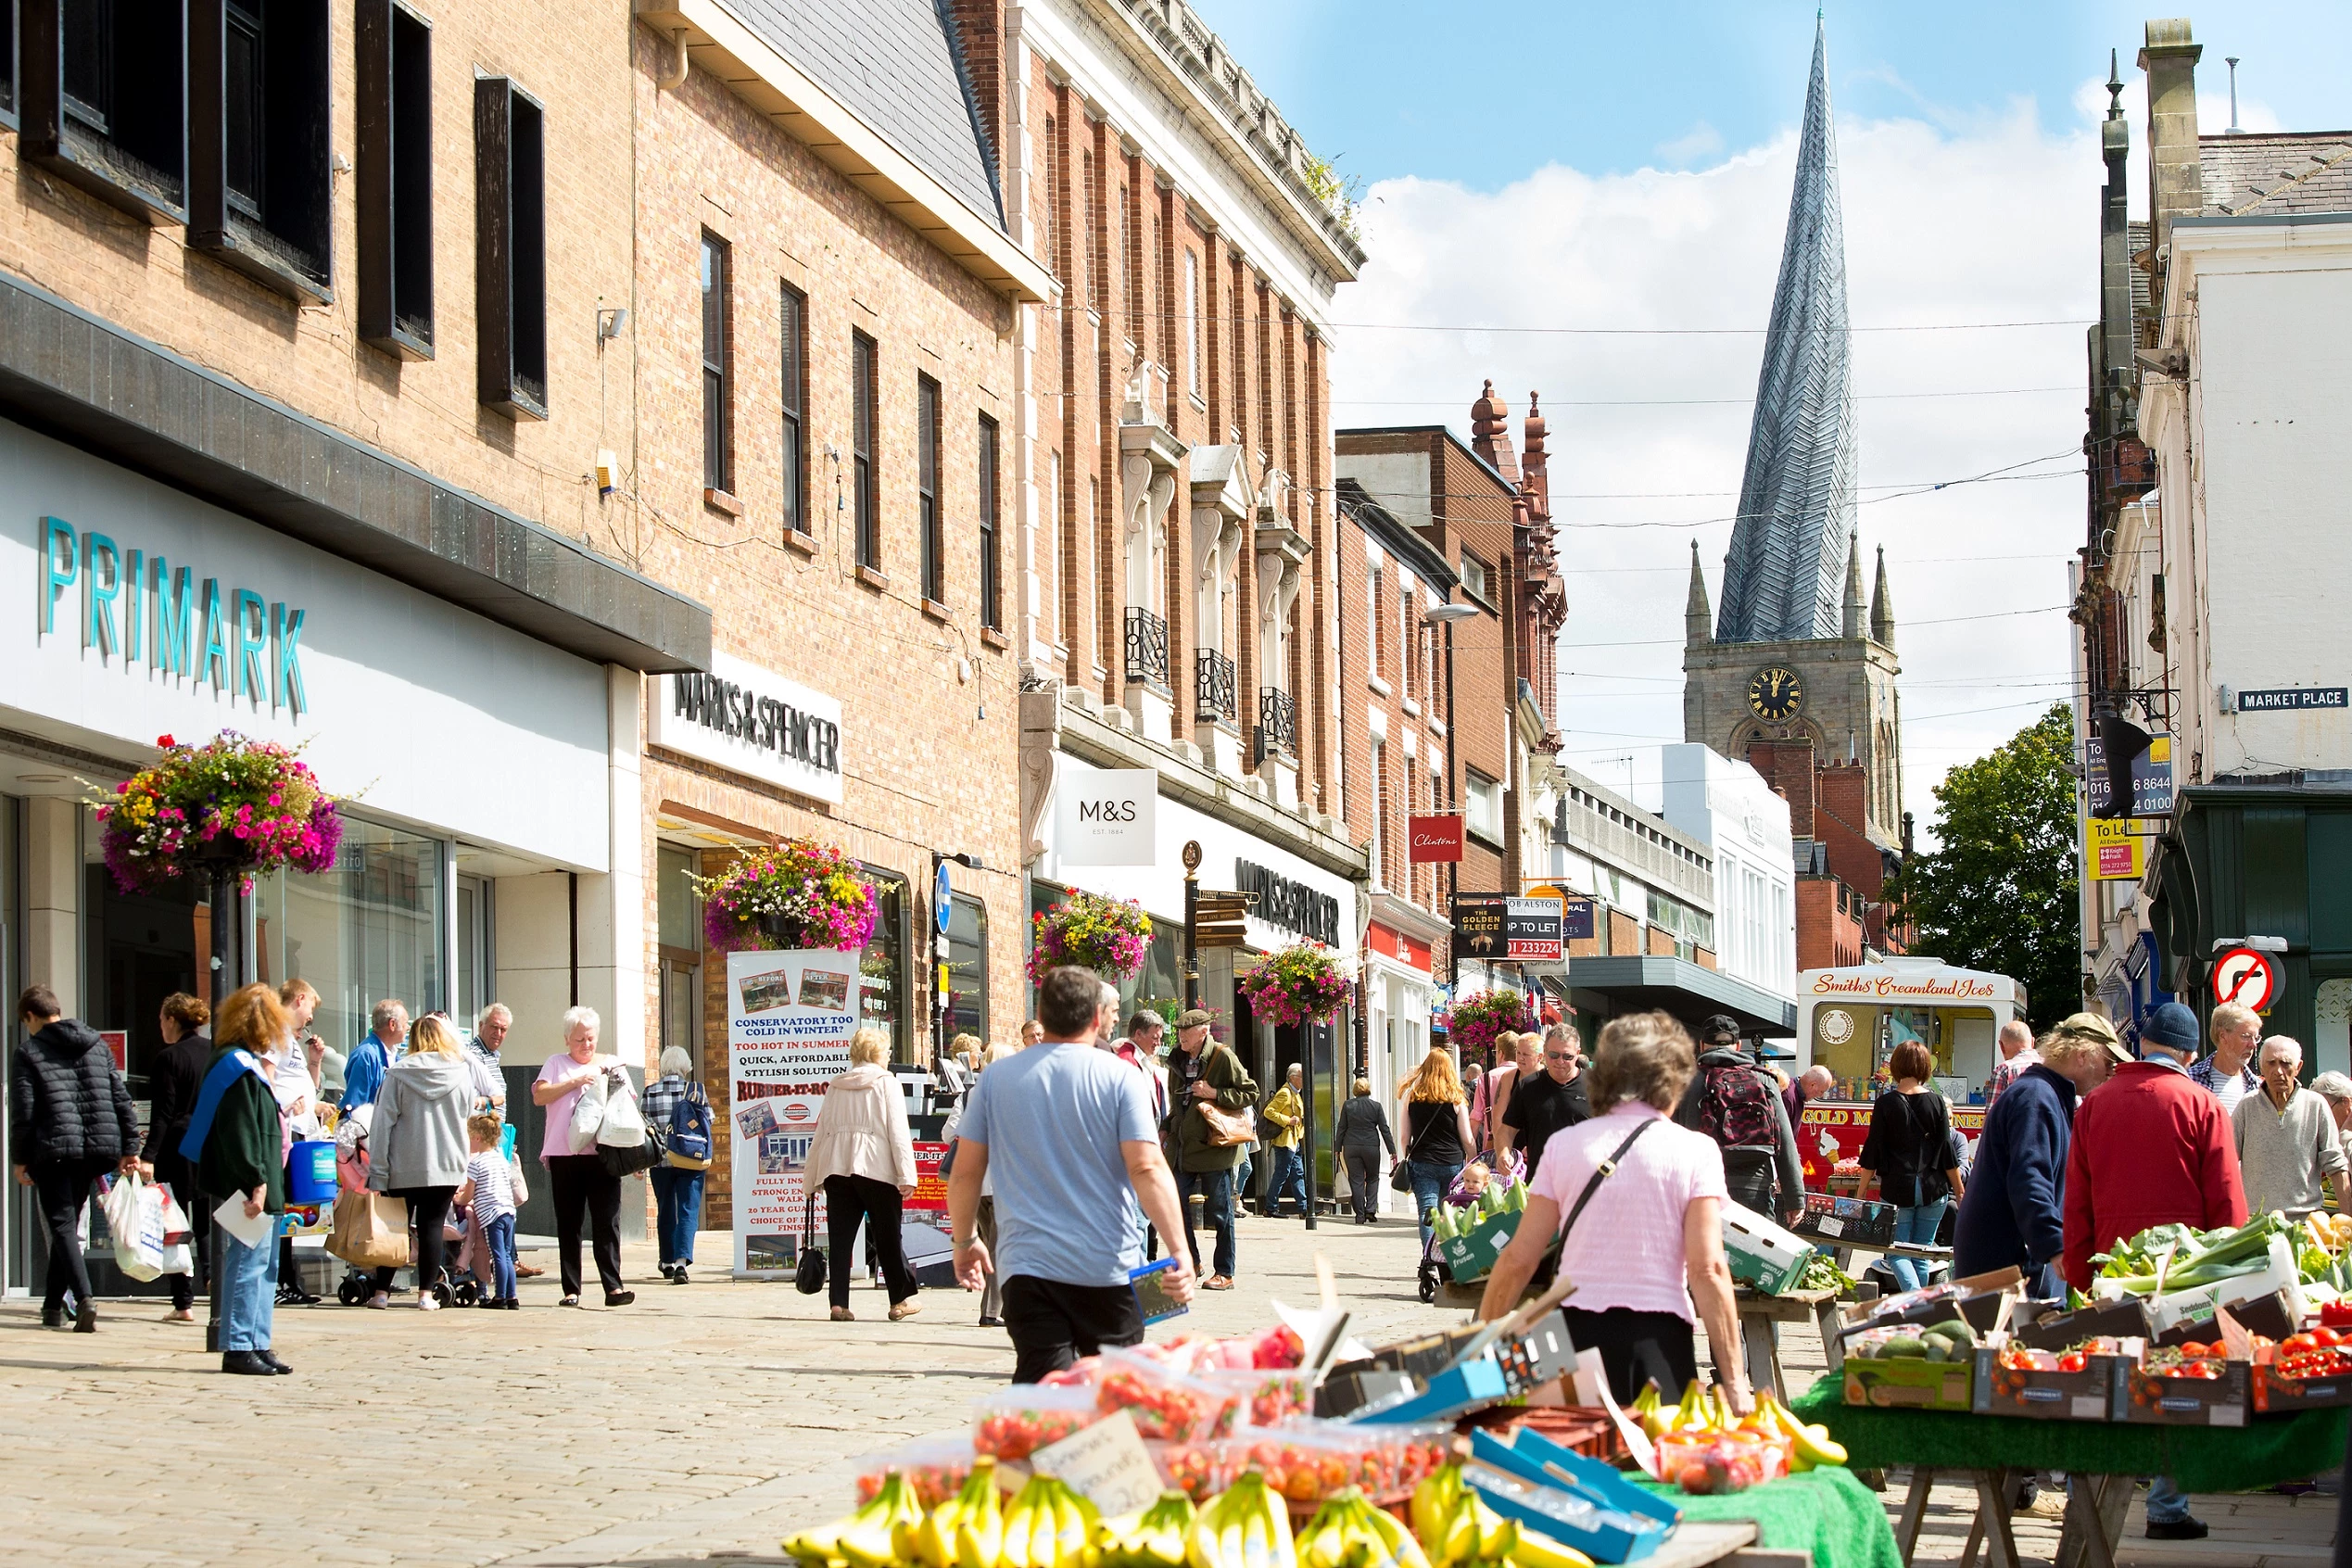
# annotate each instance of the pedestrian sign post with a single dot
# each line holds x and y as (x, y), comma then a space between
(2248, 977)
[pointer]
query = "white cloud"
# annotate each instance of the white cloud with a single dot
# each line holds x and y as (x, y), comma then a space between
(1701, 140)
(1995, 221)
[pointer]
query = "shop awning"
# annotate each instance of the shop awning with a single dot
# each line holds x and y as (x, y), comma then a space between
(1690, 991)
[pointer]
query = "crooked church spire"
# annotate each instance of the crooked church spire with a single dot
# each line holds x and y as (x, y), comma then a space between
(1782, 576)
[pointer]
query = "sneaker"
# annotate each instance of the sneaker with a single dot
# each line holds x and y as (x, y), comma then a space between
(379, 1301)
(677, 1275)
(2177, 1530)
(427, 1302)
(619, 1297)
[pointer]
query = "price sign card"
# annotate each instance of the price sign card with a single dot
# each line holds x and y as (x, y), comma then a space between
(1105, 1463)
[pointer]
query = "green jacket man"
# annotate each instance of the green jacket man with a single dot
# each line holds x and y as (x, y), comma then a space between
(1197, 1060)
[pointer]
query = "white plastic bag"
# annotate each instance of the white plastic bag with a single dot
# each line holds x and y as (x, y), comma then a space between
(135, 1218)
(587, 1116)
(177, 1259)
(624, 1124)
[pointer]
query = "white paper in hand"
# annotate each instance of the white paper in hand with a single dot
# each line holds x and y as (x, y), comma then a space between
(1106, 1465)
(252, 1231)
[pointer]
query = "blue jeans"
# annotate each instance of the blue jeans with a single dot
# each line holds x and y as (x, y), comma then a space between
(1216, 1189)
(498, 1235)
(1917, 1226)
(2167, 1504)
(1290, 1177)
(248, 1293)
(677, 1198)
(1430, 1177)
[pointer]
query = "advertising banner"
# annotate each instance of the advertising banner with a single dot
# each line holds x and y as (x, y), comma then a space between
(1479, 922)
(1532, 927)
(789, 1016)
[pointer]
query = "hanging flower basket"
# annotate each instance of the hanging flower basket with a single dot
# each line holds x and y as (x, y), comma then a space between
(799, 894)
(1109, 936)
(233, 804)
(1306, 982)
(1475, 1020)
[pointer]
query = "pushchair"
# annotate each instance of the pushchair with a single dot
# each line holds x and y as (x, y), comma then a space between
(462, 1286)
(1472, 1181)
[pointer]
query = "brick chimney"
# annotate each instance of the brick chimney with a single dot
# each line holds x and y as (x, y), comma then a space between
(1845, 793)
(1787, 766)
(2176, 184)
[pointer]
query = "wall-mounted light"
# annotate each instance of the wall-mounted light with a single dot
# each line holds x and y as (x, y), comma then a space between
(610, 323)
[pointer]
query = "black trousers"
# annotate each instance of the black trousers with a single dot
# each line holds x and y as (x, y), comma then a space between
(428, 1211)
(180, 1177)
(1363, 1180)
(1052, 1324)
(59, 1186)
(850, 1200)
(1636, 1347)
(583, 1188)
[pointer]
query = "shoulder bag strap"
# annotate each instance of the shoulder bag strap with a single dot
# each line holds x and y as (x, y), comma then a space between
(1425, 1127)
(1606, 1168)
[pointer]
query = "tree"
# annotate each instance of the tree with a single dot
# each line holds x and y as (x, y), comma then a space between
(2000, 891)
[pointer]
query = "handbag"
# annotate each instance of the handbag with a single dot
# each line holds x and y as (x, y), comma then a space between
(1226, 1127)
(621, 1142)
(808, 1274)
(371, 1230)
(1400, 1180)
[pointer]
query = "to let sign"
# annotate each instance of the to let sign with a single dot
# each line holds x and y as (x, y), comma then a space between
(2114, 848)
(1533, 926)
(1434, 838)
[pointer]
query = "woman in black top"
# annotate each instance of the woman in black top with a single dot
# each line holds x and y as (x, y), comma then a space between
(1437, 1135)
(1909, 1151)
(1363, 1128)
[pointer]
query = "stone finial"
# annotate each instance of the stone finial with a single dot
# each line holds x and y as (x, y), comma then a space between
(1697, 617)
(1882, 606)
(1854, 587)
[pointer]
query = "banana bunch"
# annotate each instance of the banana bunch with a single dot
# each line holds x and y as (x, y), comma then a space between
(967, 1531)
(1810, 1445)
(1461, 1531)
(868, 1539)
(1149, 1538)
(1248, 1526)
(1347, 1531)
(1048, 1525)
(1706, 1412)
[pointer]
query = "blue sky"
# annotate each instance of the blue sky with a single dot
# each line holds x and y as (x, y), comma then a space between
(1483, 93)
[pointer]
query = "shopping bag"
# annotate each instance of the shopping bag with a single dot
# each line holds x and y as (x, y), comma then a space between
(587, 1116)
(135, 1218)
(371, 1230)
(178, 1259)
(622, 1126)
(514, 1177)
(176, 1220)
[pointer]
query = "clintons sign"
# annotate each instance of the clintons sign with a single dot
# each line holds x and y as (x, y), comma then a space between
(1434, 838)
(1898, 987)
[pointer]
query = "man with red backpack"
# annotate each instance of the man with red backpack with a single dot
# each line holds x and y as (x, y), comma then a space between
(1736, 1103)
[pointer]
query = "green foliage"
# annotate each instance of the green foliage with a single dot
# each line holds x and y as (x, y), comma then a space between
(1999, 892)
(1339, 196)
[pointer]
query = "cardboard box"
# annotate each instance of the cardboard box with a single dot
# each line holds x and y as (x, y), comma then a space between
(1544, 1354)
(1762, 1253)
(1910, 1382)
(1982, 1301)
(2273, 1316)
(1466, 1387)
(1605, 1535)
(2279, 1273)
(2126, 1318)
(1846, 1220)
(1472, 1257)
(2141, 1399)
(1424, 1357)
(2088, 1395)
(2274, 1391)
(1603, 1482)
(1343, 1394)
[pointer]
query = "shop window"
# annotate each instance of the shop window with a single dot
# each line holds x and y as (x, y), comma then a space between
(927, 489)
(104, 95)
(258, 196)
(792, 393)
(967, 1010)
(475, 969)
(718, 443)
(992, 563)
(678, 916)
(394, 46)
(882, 966)
(863, 412)
(510, 248)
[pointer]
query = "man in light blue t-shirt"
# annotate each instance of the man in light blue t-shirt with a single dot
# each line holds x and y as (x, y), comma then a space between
(1066, 1135)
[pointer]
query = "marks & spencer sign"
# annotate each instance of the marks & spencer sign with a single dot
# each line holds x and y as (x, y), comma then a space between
(138, 608)
(1106, 817)
(752, 721)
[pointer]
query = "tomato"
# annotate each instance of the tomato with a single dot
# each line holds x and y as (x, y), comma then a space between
(2194, 1350)
(2298, 1342)
(2327, 1337)
(2073, 1362)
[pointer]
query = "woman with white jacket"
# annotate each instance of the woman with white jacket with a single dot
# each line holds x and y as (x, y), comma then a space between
(864, 1155)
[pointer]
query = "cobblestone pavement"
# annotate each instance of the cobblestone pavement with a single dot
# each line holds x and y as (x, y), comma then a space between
(703, 1422)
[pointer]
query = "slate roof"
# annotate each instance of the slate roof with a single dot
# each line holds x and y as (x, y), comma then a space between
(2272, 174)
(898, 66)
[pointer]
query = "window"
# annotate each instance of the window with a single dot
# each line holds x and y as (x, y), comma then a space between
(1408, 650)
(510, 248)
(882, 964)
(991, 593)
(792, 393)
(926, 489)
(103, 99)
(258, 191)
(1483, 806)
(1079, 259)
(394, 46)
(967, 1008)
(1380, 812)
(1052, 616)
(1473, 575)
(1126, 262)
(1192, 320)
(1377, 613)
(718, 442)
(1053, 199)
(862, 412)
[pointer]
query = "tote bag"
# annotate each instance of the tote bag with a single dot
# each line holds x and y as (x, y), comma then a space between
(371, 1230)
(621, 1142)
(587, 1116)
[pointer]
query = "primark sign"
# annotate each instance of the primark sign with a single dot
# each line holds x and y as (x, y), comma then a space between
(752, 721)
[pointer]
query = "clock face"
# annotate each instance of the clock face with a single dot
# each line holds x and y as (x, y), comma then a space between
(1775, 694)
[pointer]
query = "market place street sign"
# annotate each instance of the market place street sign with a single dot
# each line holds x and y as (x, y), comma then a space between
(2292, 697)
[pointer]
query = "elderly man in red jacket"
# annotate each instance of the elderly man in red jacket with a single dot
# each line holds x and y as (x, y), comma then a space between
(2151, 1148)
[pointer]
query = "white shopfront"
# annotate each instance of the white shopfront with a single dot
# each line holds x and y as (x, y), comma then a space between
(482, 845)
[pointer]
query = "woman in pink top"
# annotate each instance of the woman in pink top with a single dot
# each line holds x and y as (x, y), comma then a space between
(1650, 1240)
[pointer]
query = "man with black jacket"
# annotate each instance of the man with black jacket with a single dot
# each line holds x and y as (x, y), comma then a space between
(173, 1079)
(70, 1120)
(1738, 1104)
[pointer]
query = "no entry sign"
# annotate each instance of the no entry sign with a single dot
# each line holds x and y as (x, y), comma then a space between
(2248, 977)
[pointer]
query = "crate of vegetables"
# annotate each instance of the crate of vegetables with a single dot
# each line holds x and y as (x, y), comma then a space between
(1470, 1239)
(2075, 1384)
(1848, 1221)
(2303, 1371)
(2193, 1385)
(1012, 1424)
(1308, 1461)
(1907, 1367)
(1166, 1403)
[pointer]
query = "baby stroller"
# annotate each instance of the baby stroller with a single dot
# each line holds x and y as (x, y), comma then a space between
(462, 1287)
(1476, 1176)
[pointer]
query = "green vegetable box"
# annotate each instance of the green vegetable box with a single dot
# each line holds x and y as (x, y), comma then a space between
(1469, 1240)
(1770, 1256)
(1908, 1367)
